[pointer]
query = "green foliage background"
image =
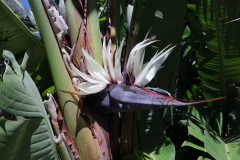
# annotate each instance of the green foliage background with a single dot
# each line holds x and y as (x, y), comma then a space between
(205, 64)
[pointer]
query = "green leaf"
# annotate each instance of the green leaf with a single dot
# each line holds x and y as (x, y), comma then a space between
(19, 95)
(218, 59)
(195, 131)
(166, 20)
(185, 65)
(16, 37)
(163, 148)
(122, 20)
(218, 122)
(203, 158)
(29, 139)
(93, 34)
(28, 12)
(150, 128)
(103, 19)
(213, 144)
(137, 155)
(33, 139)
(165, 151)
(185, 143)
(75, 23)
(186, 32)
(215, 148)
(233, 150)
(200, 121)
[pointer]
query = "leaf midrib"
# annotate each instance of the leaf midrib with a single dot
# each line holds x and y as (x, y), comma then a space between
(219, 40)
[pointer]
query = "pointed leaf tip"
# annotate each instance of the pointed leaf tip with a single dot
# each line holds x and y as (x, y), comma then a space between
(24, 62)
(186, 102)
(10, 56)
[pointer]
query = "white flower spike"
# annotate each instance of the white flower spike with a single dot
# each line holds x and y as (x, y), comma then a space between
(150, 70)
(140, 74)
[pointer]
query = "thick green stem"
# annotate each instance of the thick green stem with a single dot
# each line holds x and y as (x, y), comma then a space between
(93, 32)
(63, 152)
(75, 21)
(68, 103)
(76, 125)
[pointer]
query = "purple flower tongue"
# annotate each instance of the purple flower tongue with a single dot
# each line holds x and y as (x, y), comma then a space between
(128, 97)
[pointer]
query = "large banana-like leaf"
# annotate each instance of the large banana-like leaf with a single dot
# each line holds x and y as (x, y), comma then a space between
(161, 149)
(213, 144)
(32, 138)
(218, 60)
(27, 139)
(17, 38)
(166, 20)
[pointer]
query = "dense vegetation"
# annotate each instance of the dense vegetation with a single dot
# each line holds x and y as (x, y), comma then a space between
(205, 64)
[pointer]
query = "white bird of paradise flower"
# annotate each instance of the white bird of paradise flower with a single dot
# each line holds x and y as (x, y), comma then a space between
(139, 74)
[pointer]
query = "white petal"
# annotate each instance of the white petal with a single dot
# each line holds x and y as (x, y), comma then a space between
(159, 91)
(161, 52)
(162, 56)
(150, 74)
(144, 65)
(138, 61)
(104, 54)
(118, 63)
(130, 65)
(147, 34)
(141, 63)
(150, 70)
(110, 63)
(142, 44)
(85, 76)
(95, 69)
(135, 60)
(90, 88)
